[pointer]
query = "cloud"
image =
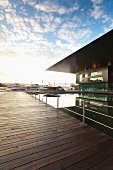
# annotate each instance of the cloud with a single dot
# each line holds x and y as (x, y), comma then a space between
(35, 37)
(74, 8)
(2, 39)
(57, 20)
(106, 29)
(30, 2)
(47, 7)
(65, 34)
(109, 27)
(69, 25)
(53, 7)
(8, 53)
(83, 33)
(20, 30)
(97, 12)
(47, 18)
(73, 30)
(74, 36)
(39, 33)
(23, 11)
(95, 2)
(60, 44)
(35, 26)
(49, 22)
(49, 27)
(10, 18)
(25, 1)
(42, 8)
(1, 16)
(62, 10)
(106, 18)
(5, 3)
(6, 32)
(18, 26)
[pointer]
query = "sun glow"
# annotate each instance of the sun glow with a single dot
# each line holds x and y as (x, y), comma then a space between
(26, 70)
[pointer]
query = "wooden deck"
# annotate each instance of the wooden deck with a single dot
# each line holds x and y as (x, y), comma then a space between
(34, 135)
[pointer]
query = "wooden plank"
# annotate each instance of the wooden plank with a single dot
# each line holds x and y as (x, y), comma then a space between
(44, 158)
(37, 132)
(34, 135)
(68, 161)
(93, 160)
(105, 165)
(44, 145)
(39, 142)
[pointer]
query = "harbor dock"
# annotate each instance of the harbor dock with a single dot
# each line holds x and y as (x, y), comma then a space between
(37, 136)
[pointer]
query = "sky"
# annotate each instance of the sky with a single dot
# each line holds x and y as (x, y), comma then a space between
(35, 34)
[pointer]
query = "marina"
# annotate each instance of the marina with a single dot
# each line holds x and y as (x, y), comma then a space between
(35, 135)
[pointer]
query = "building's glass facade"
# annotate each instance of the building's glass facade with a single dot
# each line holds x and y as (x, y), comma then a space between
(103, 86)
(98, 79)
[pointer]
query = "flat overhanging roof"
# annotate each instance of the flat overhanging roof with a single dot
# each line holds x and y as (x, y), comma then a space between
(96, 54)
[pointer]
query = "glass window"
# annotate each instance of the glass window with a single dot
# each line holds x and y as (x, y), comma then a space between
(97, 79)
(81, 78)
(86, 75)
(94, 74)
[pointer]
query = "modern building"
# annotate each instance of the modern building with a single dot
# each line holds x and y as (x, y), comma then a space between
(92, 64)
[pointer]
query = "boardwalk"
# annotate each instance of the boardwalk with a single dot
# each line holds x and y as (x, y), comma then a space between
(34, 135)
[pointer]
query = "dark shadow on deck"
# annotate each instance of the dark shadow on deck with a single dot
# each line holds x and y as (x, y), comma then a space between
(34, 135)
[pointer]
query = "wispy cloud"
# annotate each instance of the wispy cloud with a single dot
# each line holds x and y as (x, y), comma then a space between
(5, 3)
(60, 44)
(47, 7)
(33, 2)
(54, 7)
(35, 26)
(72, 9)
(62, 10)
(2, 39)
(39, 31)
(95, 2)
(110, 27)
(97, 11)
(8, 53)
(1, 16)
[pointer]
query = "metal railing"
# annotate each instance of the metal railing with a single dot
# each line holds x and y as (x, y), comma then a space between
(46, 95)
(84, 115)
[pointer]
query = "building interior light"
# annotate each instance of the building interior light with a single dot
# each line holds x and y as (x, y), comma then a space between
(94, 65)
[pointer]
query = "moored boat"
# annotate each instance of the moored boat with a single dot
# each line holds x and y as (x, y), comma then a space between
(15, 87)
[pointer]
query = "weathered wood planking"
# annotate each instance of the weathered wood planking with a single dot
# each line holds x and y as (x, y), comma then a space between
(34, 135)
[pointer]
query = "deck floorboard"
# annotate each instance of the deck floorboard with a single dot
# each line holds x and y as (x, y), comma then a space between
(34, 136)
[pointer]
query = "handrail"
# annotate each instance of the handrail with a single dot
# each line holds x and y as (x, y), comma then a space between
(73, 111)
(100, 113)
(83, 115)
(89, 118)
(99, 123)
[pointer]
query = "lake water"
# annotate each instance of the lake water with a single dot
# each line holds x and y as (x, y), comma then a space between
(65, 100)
